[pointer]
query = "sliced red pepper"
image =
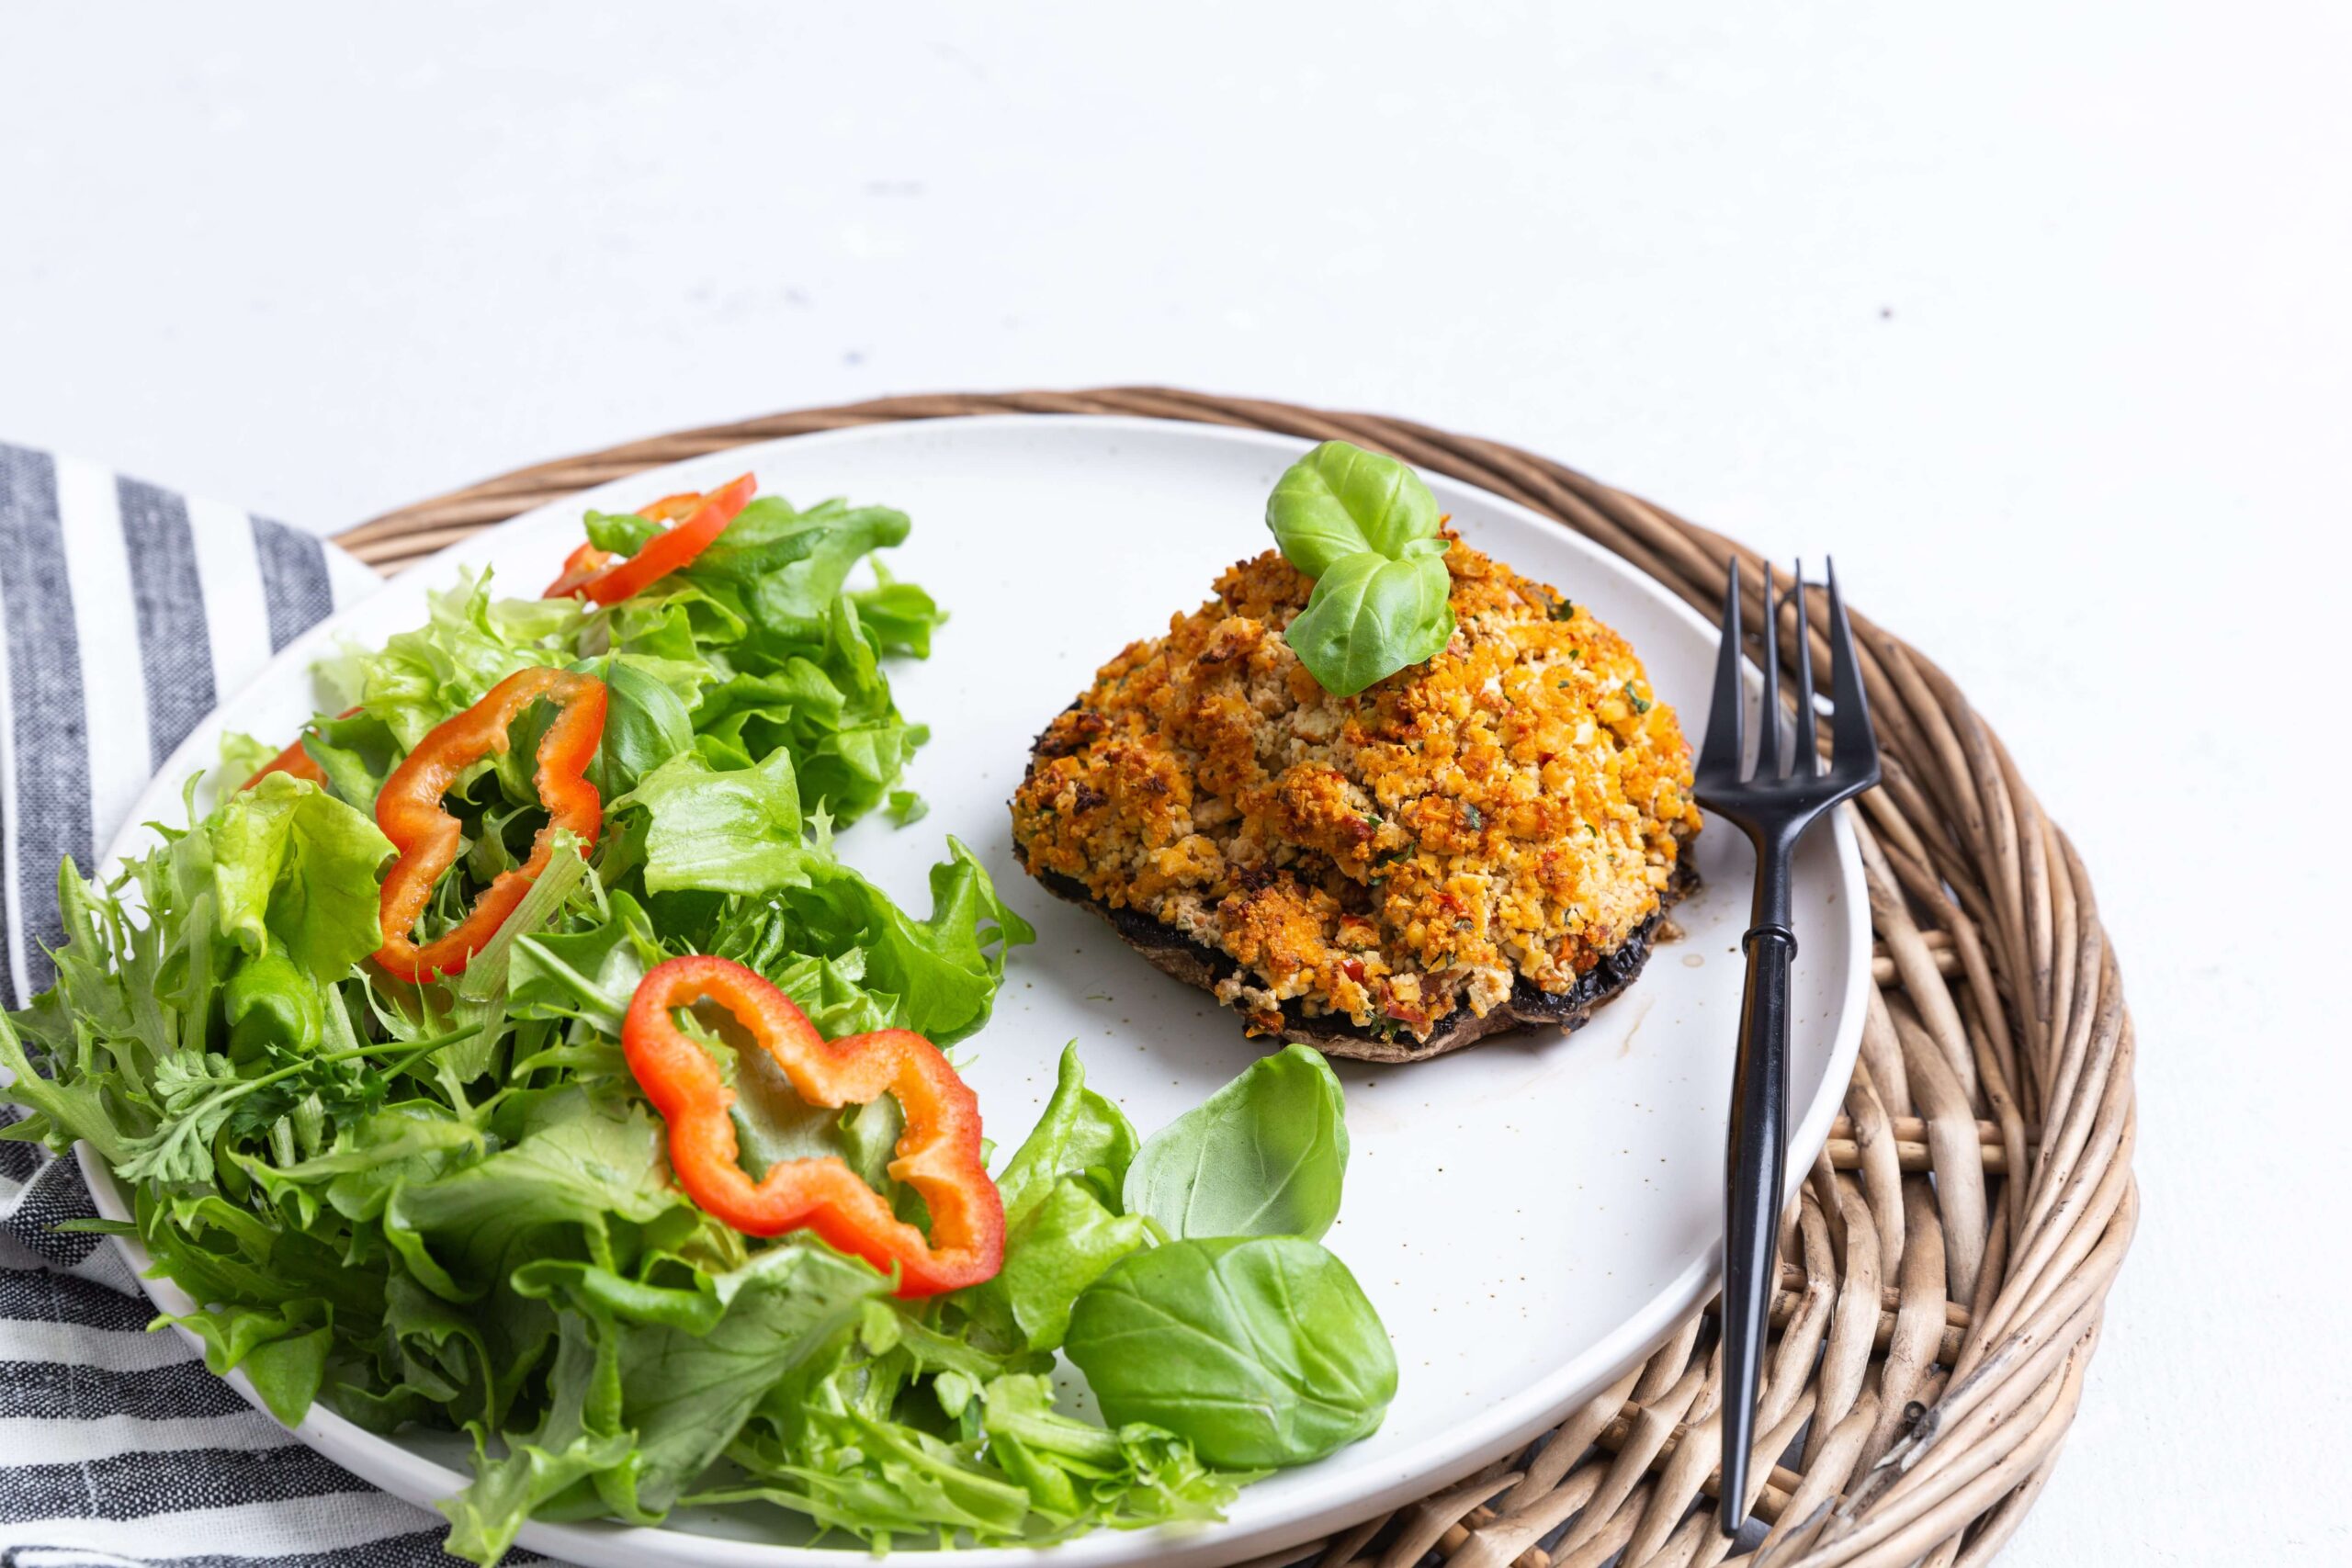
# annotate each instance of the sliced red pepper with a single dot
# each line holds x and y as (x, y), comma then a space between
(671, 508)
(294, 760)
(580, 567)
(938, 1153)
(705, 517)
(408, 809)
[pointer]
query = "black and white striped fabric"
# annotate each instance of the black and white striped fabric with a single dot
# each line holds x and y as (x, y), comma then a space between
(127, 612)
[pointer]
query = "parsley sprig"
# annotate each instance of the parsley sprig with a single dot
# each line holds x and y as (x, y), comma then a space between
(200, 1093)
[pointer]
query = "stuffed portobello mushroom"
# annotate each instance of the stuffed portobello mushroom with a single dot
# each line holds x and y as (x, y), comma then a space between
(1487, 838)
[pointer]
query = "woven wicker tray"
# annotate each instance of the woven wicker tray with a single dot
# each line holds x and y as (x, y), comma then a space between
(1944, 1268)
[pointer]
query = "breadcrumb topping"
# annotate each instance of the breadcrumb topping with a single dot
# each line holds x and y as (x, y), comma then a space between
(1513, 808)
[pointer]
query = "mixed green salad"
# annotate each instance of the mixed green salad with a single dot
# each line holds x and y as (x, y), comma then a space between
(444, 1198)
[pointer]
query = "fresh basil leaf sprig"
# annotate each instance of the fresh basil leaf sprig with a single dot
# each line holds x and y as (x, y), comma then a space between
(1207, 1308)
(1263, 1156)
(1261, 1351)
(1365, 528)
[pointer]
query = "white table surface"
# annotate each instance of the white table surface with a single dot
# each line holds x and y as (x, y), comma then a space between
(2036, 316)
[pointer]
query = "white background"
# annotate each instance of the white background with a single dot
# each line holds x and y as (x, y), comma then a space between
(2036, 315)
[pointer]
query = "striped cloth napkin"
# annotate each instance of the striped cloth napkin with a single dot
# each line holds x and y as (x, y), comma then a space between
(127, 612)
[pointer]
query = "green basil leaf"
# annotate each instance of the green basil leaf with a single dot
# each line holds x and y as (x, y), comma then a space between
(1263, 1156)
(1339, 501)
(791, 566)
(1080, 1134)
(1062, 1244)
(1259, 1352)
(1370, 618)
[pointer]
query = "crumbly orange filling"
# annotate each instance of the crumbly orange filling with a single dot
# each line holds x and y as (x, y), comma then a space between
(1513, 807)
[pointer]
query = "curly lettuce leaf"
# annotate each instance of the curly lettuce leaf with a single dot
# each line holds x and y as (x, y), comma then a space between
(83, 1055)
(1063, 1217)
(470, 642)
(241, 756)
(294, 866)
(900, 616)
(283, 1350)
(781, 653)
(738, 831)
(733, 830)
(943, 971)
(789, 567)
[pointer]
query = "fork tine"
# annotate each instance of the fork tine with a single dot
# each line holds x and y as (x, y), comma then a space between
(1719, 753)
(1768, 730)
(1853, 747)
(1804, 757)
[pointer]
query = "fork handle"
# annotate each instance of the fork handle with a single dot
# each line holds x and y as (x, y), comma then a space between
(1755, 1168)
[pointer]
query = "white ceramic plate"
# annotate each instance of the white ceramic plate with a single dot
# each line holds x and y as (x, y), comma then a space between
(1530, 1216)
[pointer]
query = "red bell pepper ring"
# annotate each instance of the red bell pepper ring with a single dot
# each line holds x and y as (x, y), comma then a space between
(938, 1153)
(294, 760)
(671, 508)
(705, 518)
(580, 567)
(408, 809)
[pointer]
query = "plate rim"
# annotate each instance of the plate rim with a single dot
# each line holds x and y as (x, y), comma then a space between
(1433, 1463)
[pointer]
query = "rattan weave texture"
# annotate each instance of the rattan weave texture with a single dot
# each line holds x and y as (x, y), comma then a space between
(1945, 1267)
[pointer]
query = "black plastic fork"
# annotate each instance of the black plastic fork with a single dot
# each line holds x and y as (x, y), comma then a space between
(1774, 802)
